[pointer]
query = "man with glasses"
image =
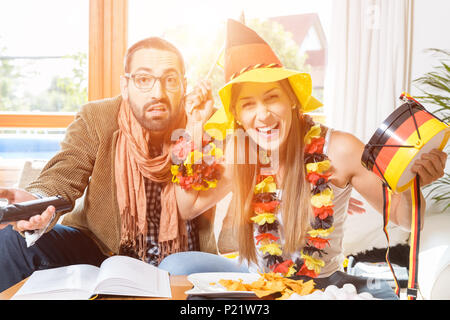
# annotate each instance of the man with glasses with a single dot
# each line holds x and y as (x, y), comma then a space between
(115, 159)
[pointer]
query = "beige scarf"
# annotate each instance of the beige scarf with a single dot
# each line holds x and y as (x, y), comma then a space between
(132, 164)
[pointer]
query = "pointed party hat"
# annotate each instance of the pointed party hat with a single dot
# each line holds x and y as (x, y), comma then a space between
(248, 58)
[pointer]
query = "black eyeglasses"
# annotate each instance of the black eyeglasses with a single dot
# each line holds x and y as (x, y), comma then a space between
(145, 82)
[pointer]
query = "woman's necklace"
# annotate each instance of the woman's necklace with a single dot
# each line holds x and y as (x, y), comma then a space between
(266, 203)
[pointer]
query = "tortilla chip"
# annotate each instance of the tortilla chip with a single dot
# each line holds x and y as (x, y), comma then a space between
(270, 283)
(308, 288)
(233, 285)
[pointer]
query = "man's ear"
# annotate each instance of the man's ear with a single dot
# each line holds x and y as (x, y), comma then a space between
(124, 87)
(185, 85)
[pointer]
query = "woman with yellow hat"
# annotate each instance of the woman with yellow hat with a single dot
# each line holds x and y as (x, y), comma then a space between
(290, 201)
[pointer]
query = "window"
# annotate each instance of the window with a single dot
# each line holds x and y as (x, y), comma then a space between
(43, 52)
(47, 47)
(43, 69)
(197, 28)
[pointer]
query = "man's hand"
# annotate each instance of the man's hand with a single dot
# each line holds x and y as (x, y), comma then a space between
(430, 166)
(199, 104)
(34, 223)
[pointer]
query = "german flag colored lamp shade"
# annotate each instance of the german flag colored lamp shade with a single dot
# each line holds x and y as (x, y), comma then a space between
(403, 137)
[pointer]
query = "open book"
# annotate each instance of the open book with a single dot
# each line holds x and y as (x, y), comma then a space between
(117, 275)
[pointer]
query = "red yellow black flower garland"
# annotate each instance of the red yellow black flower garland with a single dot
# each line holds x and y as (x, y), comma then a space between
(265, 205)
(194, 169)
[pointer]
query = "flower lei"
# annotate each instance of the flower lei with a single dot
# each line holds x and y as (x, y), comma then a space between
(194, 169)
(265, 204)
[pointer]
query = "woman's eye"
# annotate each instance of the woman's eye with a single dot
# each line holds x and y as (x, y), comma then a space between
(272, 97)
(246, 105)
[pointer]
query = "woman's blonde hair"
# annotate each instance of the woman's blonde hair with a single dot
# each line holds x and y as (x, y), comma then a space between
(296, 195)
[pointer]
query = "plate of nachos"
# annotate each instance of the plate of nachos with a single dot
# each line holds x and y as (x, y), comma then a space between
(247, 285)
(222, 284)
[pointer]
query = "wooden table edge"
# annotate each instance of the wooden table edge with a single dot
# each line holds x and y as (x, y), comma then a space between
(178, 285)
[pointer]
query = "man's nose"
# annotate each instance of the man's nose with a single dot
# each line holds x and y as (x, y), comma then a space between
(158, 91)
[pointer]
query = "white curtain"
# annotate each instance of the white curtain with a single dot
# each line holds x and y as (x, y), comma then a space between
(368, 63)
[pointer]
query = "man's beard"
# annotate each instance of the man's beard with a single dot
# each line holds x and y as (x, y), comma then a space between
(152, 124)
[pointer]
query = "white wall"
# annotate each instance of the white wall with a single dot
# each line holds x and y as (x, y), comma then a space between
(431, 29)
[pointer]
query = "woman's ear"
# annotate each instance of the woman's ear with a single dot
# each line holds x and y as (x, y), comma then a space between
(236, 119)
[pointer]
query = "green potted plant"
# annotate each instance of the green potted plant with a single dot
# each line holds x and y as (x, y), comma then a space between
(435, 87)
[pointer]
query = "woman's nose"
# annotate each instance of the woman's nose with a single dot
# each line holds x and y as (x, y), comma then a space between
(262, 112)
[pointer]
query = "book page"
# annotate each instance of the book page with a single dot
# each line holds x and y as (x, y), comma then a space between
(79, 279)
(123, 275)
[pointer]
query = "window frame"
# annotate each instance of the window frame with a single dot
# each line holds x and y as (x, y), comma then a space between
(108, 42)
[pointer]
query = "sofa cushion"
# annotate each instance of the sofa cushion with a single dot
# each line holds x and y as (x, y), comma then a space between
(434, 257)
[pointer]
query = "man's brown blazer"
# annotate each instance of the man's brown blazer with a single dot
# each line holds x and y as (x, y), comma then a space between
(84, 169)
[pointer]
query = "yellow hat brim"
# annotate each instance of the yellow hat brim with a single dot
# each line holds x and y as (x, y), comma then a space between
(222, 120)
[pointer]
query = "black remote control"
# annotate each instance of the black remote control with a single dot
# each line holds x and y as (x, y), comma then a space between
(25, 210)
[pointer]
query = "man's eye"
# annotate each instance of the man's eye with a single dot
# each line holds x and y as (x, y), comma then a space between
(171, 80)
(144, 80)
